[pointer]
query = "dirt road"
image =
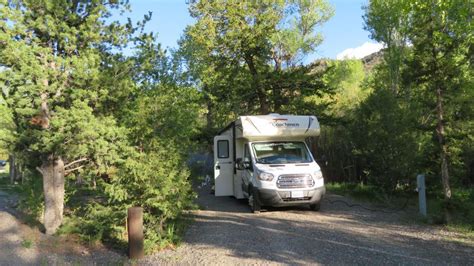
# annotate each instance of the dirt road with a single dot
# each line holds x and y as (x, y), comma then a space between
(21, 244)
(225, 232)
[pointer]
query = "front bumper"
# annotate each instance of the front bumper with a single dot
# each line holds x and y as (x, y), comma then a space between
(276, 198)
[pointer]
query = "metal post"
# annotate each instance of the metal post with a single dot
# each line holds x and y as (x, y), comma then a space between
(135, 233)
(420, 179)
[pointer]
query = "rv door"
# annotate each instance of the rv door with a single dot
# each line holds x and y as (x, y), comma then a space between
(223, 166)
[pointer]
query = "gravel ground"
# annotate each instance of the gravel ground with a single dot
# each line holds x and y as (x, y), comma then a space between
(24, 245)
(225, 232)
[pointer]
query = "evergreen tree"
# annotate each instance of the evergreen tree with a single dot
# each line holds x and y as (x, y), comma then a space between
(52, 55)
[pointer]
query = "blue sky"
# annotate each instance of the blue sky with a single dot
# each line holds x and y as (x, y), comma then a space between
(343, 31)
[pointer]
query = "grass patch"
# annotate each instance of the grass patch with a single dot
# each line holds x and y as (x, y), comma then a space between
(26, 243)
(367, 193)
(456, 214)
(460, 216)
(92, 234)
(6, 185)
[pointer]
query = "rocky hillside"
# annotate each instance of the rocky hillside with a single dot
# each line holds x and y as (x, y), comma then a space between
(372, 60)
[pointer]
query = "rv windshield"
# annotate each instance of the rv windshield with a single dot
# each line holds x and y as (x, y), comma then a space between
(281, 152)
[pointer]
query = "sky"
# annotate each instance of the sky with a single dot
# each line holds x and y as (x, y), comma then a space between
(344, 36)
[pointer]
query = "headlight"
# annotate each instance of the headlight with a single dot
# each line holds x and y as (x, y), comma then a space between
(265, 176)
(318, 174)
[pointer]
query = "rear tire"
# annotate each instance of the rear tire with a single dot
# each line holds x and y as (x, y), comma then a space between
(315, 207)
(254, 202)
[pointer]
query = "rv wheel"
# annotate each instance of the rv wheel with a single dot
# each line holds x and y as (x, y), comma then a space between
(253, 202)
(316, 206)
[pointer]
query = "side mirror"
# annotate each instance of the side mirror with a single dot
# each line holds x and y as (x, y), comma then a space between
(239, 164)
(247, 164)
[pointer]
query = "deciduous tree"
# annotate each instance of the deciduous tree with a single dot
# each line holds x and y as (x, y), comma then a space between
(236, 51)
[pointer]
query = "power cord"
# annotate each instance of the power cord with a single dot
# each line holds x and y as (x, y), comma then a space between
(370, 209)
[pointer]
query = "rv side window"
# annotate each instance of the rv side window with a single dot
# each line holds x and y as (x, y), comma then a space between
(223, 149)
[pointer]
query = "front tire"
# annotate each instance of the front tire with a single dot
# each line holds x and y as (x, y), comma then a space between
(254, 202)
(315, 207)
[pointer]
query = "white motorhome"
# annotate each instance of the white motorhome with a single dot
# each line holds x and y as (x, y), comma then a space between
(265, 158)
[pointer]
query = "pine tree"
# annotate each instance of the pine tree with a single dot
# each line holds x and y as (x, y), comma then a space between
(52, 55)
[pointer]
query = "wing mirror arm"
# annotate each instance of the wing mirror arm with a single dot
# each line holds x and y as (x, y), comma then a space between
(239, 164)
(248, 165)
(242, 164)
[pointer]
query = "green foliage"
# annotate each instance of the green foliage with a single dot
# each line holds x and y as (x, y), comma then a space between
(419, 108)
(384, 142)
(51, 77)
(32, 200)
(26, 243)
(347, 78)
(388, 23)
(244, 56)
(170, 113)
(434, 79)
(459, 207)
(359, 191)
(335, 153)
(151, 173)
(97, 223)
(6, 129)
(161, 119)
(388, 126)
(122, 125)
(156, 180)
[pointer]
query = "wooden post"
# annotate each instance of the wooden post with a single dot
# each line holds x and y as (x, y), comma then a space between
(135, 233)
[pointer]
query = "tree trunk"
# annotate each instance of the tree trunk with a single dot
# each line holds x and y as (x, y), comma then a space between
(210, 112)
(277, 90)
(262, 96)
(277, 98)
(52, 170)
(18, 172)
(442, 143)
(12, 168)
(264, 109)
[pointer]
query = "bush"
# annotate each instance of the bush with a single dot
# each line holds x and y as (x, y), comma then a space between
(157, 181)
(384, 141)
(32, 200)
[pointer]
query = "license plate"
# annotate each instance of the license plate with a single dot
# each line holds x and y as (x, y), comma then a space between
(297, 194)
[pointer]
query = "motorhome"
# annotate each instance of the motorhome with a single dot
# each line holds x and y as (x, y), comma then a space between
(265, 159)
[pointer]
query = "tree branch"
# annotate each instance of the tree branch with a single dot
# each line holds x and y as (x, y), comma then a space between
(39, 170)
(74, 169)
(76, 161)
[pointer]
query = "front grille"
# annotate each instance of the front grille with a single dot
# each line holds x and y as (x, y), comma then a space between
(296, 199)
(295, 181)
